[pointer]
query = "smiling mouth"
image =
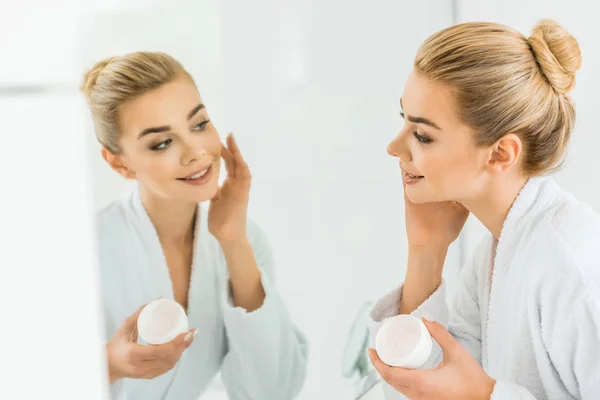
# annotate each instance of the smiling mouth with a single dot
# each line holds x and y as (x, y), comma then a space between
(196, 175)
(410, 176)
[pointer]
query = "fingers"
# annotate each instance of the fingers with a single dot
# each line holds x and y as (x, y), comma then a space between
(395, 376)
(132, 319)
(442, 336)
(241, 170)
(129, 326)
(229, 160)
(152, 369)
(172, 349)
(150, 361)
(216, 196)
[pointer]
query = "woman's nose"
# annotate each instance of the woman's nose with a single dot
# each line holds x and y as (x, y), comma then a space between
(192, 153)
(398, 148)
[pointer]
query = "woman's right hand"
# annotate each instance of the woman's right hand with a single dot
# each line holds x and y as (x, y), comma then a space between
(128, 359)
(431, 228)
(433, 225)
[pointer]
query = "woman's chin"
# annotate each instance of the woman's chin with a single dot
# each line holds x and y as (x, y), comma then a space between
(206, 192)
(414, 195)
(420, 195)
(210, 191)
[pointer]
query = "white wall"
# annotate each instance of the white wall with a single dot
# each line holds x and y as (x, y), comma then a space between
(49, 299)
(580, 17)
(311, 90)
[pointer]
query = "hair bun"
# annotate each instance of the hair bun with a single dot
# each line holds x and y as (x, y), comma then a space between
(557, 54)
(90, 77)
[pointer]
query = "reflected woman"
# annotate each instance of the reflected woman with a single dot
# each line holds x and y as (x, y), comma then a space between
(487, 117)
(160, 242)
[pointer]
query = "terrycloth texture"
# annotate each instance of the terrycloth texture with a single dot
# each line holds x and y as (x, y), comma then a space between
(535, 325)
(261, 355)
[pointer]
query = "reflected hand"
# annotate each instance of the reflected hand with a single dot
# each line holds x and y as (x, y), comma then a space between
(459, 376)
(128, 359)
(228, 210)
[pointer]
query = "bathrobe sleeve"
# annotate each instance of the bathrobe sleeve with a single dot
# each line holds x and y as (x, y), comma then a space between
(574, 347)
(267, 354)
(464, 322)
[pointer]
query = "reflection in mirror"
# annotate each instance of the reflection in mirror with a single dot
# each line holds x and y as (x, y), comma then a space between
(312, 121)
(355, 359)
(211, 266)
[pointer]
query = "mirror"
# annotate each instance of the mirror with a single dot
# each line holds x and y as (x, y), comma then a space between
(355, 360)
(314, 136)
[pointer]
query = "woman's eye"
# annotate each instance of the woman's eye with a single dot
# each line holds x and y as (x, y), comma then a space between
(201, 125)
(162, 145)
(421, 139)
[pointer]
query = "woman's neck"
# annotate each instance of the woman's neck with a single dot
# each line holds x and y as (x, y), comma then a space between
(174, 220)
(492, 206)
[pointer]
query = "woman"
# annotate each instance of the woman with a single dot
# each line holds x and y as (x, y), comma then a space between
(158, 242)
(486, 117)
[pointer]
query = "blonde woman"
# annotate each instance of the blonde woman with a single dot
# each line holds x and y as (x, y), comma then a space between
(159, 242)
(487, 116)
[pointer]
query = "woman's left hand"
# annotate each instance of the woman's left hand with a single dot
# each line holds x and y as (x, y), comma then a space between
(459, 375)
(229, 207)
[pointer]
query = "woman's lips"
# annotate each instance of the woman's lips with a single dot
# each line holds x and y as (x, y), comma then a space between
(199, 177)
(410, 179)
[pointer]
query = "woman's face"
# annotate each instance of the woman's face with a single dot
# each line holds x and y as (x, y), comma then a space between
(169, 144)
(436, 152)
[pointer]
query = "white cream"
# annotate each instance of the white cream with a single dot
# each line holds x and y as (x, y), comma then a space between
(403, 341)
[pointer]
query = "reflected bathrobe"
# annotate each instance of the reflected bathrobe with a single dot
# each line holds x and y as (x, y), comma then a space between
(528, 304)
(261, 355)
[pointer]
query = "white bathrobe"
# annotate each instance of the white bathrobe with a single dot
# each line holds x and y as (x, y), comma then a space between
(528, 305)
(261, 355)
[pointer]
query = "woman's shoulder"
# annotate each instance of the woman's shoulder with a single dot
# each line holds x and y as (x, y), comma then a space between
(112, 215)
(117, 227)
(568, 237)
(574, 223)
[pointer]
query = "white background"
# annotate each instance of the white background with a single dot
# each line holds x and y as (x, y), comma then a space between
(311, 90)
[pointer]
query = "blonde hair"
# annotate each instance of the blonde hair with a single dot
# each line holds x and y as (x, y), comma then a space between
(507, 83)
(114, 81)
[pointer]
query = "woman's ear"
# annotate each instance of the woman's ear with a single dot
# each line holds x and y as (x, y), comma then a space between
(505, 153)
(116, 162)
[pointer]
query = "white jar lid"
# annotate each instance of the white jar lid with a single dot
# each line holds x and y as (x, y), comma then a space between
(160, 321)
(403, 341)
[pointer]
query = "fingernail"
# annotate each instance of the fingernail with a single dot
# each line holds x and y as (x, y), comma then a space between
(195, 333)
(427, 318)
(189, 336)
